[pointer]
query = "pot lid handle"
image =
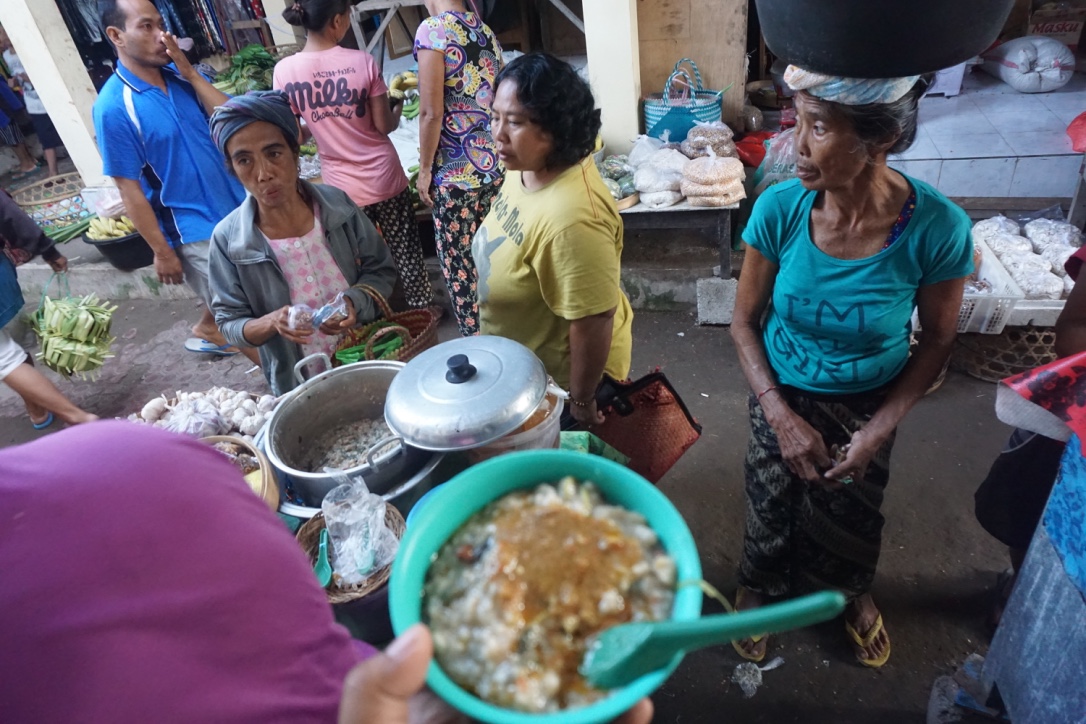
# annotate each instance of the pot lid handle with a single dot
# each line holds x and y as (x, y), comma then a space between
(460, 369)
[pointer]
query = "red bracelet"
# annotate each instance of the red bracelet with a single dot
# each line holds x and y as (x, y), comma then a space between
(765, 392)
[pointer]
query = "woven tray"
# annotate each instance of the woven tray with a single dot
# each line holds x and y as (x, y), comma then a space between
(55, 201)
(993, 357)
(309, 536)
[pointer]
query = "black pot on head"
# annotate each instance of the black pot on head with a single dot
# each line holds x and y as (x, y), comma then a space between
(880, 38)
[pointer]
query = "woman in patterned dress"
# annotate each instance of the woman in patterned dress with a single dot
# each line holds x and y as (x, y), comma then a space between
(459, 173)
(290, 242)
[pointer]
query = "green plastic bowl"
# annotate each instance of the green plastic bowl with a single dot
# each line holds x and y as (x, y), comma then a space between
(454, 502)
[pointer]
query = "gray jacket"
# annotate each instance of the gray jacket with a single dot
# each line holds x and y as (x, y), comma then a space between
(247, 281)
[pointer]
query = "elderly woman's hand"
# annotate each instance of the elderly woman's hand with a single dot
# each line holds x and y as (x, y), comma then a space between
(338, 327)
(861, 451)
(802, 447)
(587, 415)
(279, 320)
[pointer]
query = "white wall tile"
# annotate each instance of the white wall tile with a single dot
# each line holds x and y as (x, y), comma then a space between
(926, 171)
(1040, 143)
(976, 177)
(968, 121)
(971, 145)
(922, 148)
(1023, 121)
(1007, 102)
(1046, 176)
(1064, 100)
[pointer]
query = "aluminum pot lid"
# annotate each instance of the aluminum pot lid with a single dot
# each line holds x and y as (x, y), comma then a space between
(465, 393)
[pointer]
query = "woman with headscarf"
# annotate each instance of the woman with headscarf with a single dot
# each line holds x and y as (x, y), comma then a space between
(459, 173)
(290, 242)
(837, 260)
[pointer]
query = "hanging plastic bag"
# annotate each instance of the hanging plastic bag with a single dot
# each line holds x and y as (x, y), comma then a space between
(362, 543)
(643, 147)
(1077, 131)
(779, 164)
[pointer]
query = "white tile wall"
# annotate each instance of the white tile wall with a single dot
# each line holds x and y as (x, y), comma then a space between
(926, 171)
(971, 145)
(976, 176)
(1039, 143)
(994, 141)
(1045, 176)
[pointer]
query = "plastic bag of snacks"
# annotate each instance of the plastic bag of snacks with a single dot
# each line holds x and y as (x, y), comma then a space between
(984, 230)
(660, 199)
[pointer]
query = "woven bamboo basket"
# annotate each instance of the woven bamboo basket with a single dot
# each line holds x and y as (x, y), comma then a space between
(993, 357)
(417, 328)
(309, 536)
(269, 490)
(55, 201)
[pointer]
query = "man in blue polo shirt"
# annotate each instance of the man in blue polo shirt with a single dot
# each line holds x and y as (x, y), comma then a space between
(151, 122)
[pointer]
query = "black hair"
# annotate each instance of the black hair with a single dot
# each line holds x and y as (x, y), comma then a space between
(314, 14)
(875, 123)
(559, 101)
(111, 16)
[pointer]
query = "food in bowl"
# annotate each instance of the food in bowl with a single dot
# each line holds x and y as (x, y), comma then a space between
(515, 595)
(345, 447)
(245, 461)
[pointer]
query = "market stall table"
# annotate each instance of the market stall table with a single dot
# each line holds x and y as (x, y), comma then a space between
(715, 223)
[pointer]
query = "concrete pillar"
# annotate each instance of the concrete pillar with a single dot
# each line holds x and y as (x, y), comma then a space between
(48, 53)
(614, 67)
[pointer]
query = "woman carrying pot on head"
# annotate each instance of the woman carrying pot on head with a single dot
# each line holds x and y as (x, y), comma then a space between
(550, 249)
(459, 174)
(290, 242)
(839, 257)
(341, 97)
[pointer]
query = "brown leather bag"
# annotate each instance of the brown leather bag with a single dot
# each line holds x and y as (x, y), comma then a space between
(647, 421)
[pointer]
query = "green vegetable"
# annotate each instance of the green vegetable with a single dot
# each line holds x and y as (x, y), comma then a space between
(250, 69)
(411, 109)
(74, 334)
(61, 234)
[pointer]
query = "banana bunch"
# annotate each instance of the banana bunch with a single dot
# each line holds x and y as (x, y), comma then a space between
(401, 83)
(110, 228)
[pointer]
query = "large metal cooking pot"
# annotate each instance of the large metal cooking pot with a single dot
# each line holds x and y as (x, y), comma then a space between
(867, 39)
(339, 396)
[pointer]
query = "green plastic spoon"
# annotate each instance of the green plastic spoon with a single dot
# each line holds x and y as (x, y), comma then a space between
(323, 569)
(623, 653)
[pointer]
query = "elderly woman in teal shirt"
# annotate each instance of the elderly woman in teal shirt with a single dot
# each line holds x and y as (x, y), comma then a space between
(839, 257)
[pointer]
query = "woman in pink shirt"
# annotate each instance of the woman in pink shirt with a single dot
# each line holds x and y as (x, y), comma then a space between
(341, 97)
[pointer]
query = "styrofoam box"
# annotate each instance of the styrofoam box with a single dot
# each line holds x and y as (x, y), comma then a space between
(989, 313)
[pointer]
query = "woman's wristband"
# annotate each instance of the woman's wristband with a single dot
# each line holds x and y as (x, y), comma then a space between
(574, 401)
(765, 392)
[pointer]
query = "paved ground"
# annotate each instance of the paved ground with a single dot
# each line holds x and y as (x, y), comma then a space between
(937, 563)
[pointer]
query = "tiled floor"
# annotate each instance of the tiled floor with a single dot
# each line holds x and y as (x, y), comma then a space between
(994, 141)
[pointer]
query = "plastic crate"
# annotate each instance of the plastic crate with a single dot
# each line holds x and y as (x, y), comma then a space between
(988, 313)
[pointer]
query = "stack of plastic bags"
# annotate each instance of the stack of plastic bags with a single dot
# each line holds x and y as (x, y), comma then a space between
(659, 178)
(1036, 260)
(713, 181)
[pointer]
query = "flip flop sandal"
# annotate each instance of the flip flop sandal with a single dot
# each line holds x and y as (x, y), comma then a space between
(23, 174)
(756, 658)
(862, 642)
(49, 419)
(202, 346)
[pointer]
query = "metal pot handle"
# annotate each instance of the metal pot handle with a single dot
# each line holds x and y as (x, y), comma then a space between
(306, 360)
(380, 444)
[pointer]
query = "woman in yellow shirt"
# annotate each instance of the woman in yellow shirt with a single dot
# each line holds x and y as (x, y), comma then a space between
(549, 251)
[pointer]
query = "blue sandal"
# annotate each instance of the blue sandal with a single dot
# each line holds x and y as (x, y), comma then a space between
(202, 346)
(49, 419)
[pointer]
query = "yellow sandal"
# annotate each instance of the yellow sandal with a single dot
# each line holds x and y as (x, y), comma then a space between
(862, 642)
(755, 639)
